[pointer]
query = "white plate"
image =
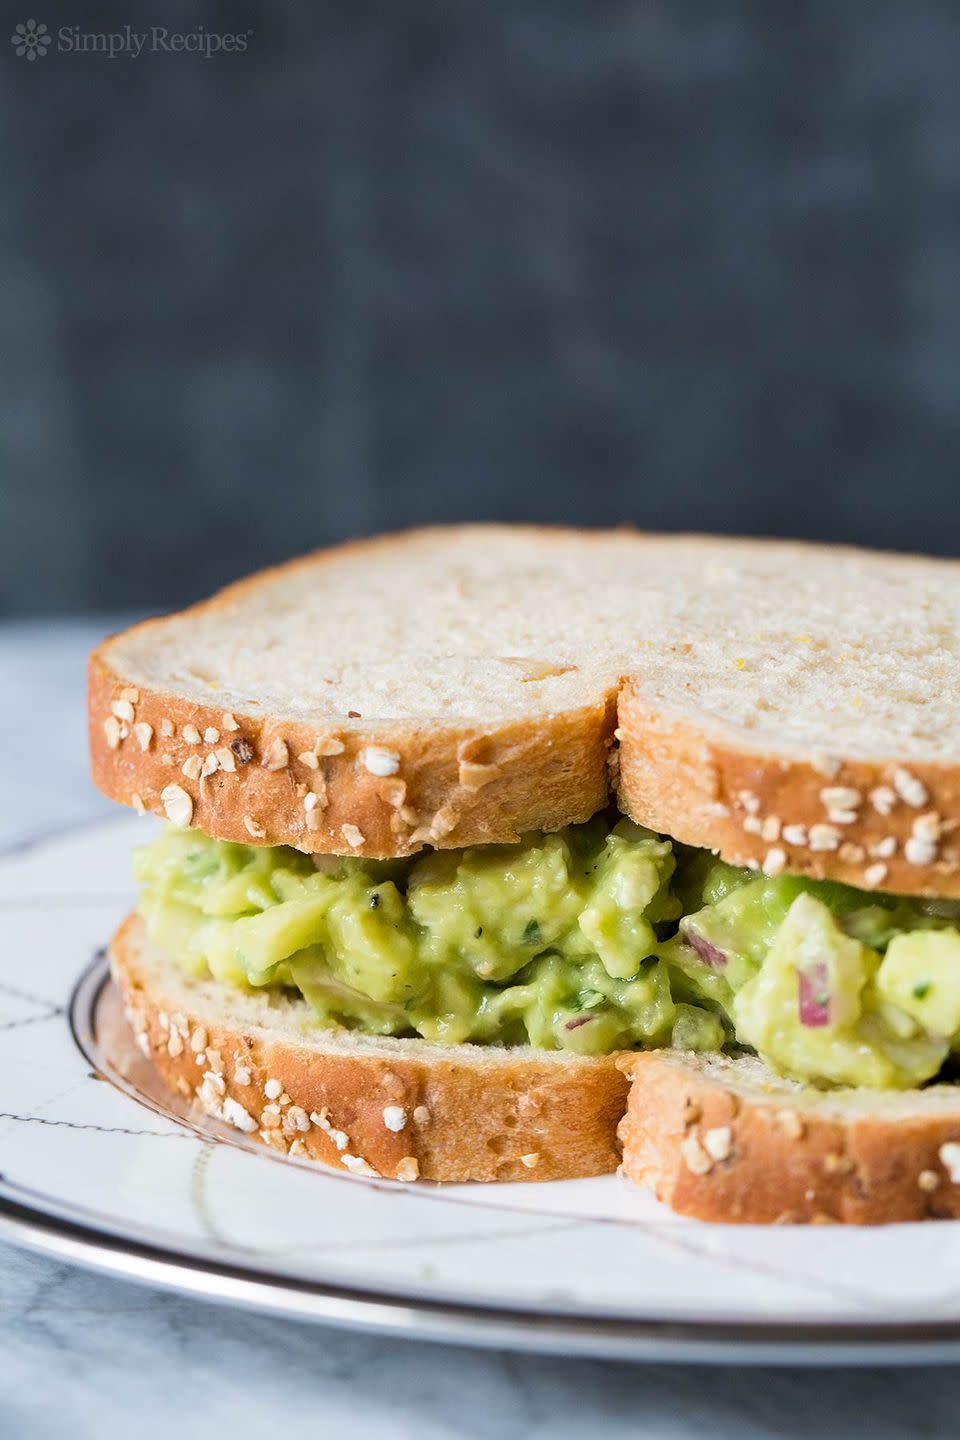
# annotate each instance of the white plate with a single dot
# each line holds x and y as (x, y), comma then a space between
(98, 1166)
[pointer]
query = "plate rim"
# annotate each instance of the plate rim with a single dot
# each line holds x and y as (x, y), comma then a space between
(443, 1321)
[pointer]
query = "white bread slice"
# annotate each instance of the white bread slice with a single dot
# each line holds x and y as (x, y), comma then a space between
(399, 1108)
(722, 1138)
(788, 705)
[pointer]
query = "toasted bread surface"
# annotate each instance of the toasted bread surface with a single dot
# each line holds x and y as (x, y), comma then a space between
(401, 1109)
(790, 706)
(722, 1138)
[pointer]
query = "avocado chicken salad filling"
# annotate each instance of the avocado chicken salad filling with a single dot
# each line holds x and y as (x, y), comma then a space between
(600, 937)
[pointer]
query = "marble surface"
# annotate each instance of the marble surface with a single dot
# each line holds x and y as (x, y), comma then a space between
(84, 1356)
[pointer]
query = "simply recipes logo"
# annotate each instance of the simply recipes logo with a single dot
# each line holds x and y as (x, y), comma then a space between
(31, 40)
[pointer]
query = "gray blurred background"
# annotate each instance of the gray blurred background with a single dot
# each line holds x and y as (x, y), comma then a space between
(679, 264)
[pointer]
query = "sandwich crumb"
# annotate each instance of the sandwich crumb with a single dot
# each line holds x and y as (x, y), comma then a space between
(472, 776)
(530, 1160)
(408, 1168)
(144, 734)
(275, 1139)
(718, 1142)
(696, 1159)
(321, 1118)
(394, 1117)
(177, 805)
(840, 797)
(352, 835)
(950, 1160)
(392, 792)
(911, 790)
(234, 1114)
(380, 761)
(883, 799)
(774, 861)
(928, 1180)
(357, 1165)
(211, 735)
(276, 756)
(918, 850)
(111, 729)
(328, 745)
(227, 721)
(928, 826)
(790, 1123)
(191, 734)
(444, 821)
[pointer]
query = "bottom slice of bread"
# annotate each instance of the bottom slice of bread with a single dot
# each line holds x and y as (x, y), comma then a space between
(722, 1138)
(373, 1106)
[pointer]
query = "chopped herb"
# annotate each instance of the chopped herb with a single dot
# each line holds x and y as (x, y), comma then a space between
(590, 999)
(532, 934)
(921, 991)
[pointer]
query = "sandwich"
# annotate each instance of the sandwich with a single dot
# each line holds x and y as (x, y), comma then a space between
(505, 853)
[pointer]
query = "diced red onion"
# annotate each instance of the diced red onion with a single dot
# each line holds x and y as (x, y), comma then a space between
(577, 1022)
(709, 953)
(813, 987)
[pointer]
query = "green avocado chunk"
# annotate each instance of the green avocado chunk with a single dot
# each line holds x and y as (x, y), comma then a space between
(597, 938)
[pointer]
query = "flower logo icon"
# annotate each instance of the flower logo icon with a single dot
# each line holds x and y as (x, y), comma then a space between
(30, 39)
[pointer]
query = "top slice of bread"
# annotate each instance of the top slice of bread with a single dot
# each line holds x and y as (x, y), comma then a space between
(791, 706)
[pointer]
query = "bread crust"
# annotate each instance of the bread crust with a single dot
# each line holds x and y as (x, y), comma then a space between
(777, 1159)
(706, 788)
(467, 1114)
(464, 784)
(454, 786)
